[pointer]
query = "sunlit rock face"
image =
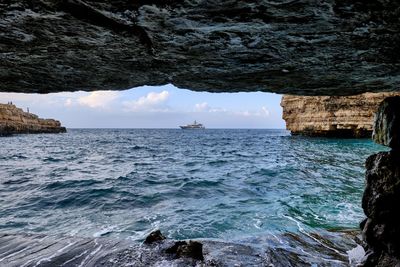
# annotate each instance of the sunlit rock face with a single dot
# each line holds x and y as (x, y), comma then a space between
(299, 47)
(14, 120)
(332, 116)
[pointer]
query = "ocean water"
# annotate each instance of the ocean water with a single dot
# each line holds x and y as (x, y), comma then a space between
(220, 184)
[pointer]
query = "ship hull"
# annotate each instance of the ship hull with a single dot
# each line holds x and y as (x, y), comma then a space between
(191, 128)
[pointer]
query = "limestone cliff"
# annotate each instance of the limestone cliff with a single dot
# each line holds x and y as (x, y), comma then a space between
(14, 120)
(347, 116)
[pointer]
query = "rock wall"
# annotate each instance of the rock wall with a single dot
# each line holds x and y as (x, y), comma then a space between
(333, 47)
(332, 116)
(381, 229)
(14, 120)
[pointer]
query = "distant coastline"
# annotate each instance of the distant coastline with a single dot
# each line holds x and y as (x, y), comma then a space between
(14, 120)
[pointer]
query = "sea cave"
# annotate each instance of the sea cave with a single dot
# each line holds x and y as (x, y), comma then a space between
(338, 58)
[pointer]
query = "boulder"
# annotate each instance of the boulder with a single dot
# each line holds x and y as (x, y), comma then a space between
(153, 237)
(191, 249)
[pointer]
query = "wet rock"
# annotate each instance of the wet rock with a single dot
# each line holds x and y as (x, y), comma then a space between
(155, 236)
(191, 249)
(387, 123)
(381, 230)
(380, 202)
(277, 250)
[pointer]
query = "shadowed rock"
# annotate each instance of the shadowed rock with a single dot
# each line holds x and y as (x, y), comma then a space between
(334, 47)
(191, 249)
(387, 123)
(289, 250)
(154, 236)
(381, 229)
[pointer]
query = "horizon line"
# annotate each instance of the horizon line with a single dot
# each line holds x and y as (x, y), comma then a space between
(175, 128)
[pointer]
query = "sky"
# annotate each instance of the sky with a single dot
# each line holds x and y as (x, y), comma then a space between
(154, 107)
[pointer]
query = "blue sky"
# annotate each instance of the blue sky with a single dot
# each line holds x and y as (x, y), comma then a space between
(154, 107)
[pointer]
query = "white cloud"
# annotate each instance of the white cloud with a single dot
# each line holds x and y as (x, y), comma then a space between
(205, 107)
(201, 107)
(54, 100)
(265, 111)
(98, 99)
(245, 113)
(7, 97)
(153, 101)
(68, 102)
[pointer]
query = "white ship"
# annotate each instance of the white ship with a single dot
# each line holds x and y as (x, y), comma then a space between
(195, 125)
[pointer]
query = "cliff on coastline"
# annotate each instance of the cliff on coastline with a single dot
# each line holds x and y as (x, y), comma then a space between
(14, 120)
(332, 116)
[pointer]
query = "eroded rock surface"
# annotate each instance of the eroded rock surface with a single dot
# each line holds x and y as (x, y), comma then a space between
(334, 47)
(381, 229)
(333, 116)
(387, 123)
(14, 120)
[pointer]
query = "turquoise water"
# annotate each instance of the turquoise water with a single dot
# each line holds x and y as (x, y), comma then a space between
(225, 184)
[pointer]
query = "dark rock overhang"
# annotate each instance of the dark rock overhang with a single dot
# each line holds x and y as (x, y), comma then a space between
(307, 47)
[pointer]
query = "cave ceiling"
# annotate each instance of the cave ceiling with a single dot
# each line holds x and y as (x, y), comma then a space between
(305, 47)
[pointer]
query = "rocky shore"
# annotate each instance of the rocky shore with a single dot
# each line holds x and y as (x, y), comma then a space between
(381, 229)
(284, 250)
(14, 120)
(332, 116)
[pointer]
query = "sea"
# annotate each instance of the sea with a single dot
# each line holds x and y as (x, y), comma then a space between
(231, 185)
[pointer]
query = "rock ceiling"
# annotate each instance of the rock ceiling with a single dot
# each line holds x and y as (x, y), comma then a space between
(307, 47)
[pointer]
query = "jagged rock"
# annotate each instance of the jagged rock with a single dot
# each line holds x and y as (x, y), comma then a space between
(155, 236)
(301, 251)
(381, 230)
(14, 120)
(334, 47)
(387, 123)
(333, 116)
(191, 249)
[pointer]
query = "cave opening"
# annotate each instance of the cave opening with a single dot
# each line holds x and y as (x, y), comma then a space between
(306, 48)
(256, 185)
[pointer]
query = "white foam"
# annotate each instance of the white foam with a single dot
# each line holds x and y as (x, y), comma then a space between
(355, 255)
(302, 230)
(55, 254)
(105, 231)
(13, 254)
(91, 254)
